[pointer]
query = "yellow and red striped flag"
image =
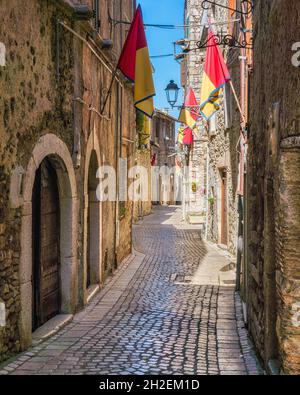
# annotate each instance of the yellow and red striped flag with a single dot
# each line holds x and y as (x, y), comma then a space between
(215, 76)
(135, 64)
(188, 114)
(180, 135)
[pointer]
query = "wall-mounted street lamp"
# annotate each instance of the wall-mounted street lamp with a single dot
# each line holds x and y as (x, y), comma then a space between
(172, 93)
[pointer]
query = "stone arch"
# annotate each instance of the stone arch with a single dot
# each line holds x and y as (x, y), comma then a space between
(51, 147)
(92, 249)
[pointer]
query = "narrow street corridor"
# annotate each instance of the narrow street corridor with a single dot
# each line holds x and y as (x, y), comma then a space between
(163, 312)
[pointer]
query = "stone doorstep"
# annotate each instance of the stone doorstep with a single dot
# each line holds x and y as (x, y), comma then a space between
(227, 278)
(57, 323)
(92, 292)
(51, 327)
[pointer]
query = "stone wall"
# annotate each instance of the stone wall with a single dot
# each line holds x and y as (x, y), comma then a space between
(141, 209)
(41, 95)
(273, 187)
(222, 150)
(162, 148)
(30, 105)
(197, 201)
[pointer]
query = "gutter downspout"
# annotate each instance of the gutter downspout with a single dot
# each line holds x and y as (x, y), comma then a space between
(207, 191)
(116, 241)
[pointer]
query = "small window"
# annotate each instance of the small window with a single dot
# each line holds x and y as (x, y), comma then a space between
(96, 10)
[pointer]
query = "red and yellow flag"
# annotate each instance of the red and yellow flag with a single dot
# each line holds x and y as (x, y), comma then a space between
(188, 138)
(135, 64)
(188, 115)
(215, 76)
(180, 135)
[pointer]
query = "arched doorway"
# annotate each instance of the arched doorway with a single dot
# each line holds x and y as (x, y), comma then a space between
(93, 226)
(45, 245)
(49, 147)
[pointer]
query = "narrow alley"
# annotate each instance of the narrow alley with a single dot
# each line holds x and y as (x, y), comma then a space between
(153, 317)
(149, 188)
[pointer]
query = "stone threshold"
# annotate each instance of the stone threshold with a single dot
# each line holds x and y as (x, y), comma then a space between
(111, 293)
(92, 291)
(250, 357)
(50, 328)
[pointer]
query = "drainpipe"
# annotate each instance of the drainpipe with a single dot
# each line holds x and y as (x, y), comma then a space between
(240, 204)
(77, 106)
(116, 241)
(207, 191)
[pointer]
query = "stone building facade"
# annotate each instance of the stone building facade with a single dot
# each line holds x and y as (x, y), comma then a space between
(192, 65)
(58, 243)
(163, 154)
(213, 162)
(267, 177)
(272, 287)
(143, 206)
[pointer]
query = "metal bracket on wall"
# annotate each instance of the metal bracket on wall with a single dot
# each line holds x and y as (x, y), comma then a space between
(225, 40)
(57, 45)
(247, 5)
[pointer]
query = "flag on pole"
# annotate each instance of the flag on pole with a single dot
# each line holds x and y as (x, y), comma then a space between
(180, 135)
(188, 137)
(135, 64)
(215, 76)
(188, 115)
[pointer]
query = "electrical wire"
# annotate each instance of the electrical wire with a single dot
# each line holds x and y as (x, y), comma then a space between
(174, 27)
(161, 56)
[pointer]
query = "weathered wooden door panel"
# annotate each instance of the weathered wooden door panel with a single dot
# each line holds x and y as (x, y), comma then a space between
(46, 245)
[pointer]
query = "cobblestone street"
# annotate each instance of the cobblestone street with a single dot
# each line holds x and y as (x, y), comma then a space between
(153, 316)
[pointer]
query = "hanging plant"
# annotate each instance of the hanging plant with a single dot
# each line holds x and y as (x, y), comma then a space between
(140, 121)
(211, 200)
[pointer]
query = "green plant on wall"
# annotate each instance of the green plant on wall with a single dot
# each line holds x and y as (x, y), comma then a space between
(211, 201)
(122, 210)
(140, 122)
(194, 186)
(143, 133)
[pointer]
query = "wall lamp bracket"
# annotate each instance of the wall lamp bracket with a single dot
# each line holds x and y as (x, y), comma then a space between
(223, 40)
(82, 12)
(246, 6)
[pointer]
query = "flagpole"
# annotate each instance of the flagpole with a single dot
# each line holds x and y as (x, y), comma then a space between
(109, 90)
(237, 102)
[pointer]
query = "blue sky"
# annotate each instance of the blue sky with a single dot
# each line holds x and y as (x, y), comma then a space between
(160, 41)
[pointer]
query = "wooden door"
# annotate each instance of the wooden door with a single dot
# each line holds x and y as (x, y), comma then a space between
(46, 235)
(224, 237)
(88, 274)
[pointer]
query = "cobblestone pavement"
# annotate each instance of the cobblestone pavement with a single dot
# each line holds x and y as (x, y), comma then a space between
(151, 321)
